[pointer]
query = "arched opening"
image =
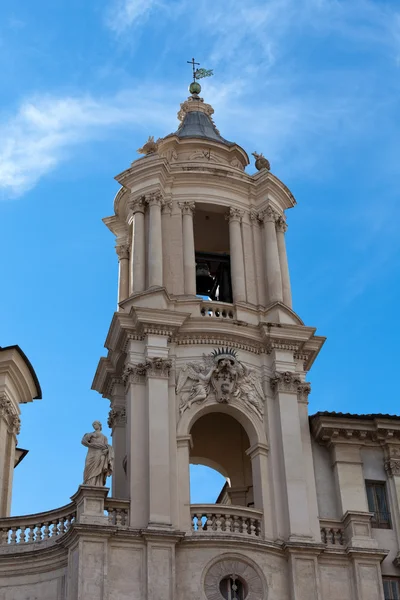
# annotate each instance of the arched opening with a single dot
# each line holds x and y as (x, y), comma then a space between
(220, 442)
(212, 253)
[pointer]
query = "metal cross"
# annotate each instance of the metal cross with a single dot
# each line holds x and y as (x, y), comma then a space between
(193, 63)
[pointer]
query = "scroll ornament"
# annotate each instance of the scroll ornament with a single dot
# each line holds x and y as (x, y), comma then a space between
(223, 375)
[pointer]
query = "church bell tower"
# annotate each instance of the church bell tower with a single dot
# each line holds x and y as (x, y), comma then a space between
(207, 364)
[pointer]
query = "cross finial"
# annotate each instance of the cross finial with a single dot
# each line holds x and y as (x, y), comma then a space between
(193, 63)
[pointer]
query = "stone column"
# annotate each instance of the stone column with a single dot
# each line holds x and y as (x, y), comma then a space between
(281, 228)
(272, 264)
(117, 424)
(285, 386)
(138, 246)
(189, 263)
(258, 257)
(137, 443)
(249, 259)
(123, 276)
(261, 485)
(183, 461)
(9, 429)
(236, 247)
(159, 442)
(392, 468)
(154, 256)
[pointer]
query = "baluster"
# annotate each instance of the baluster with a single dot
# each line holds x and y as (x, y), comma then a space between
(46, 531)
(323, 535)
(13, 537)
(252, 527)
(4, 536)
(228, 523)
(55, 531)
(110, 516)
(236, 524)
(193, 521)
(337, 537)
(118, 520)
(218, 523)
(208, 523)
(126, 517)
(214, 523)
(62, 525)
(38, 532)
(30, 534)
(22, 534)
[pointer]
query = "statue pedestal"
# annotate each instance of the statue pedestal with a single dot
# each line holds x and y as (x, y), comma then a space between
(89, 502)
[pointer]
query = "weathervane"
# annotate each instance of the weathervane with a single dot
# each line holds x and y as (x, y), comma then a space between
(194, 87)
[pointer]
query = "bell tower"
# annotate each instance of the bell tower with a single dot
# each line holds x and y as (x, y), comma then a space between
(207, 364)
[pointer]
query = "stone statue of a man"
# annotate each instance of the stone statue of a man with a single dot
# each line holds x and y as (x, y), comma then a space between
(100, 457)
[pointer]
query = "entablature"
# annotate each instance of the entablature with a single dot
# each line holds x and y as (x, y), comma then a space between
(332, 428)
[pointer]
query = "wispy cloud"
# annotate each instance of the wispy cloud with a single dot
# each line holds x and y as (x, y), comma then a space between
(45, 129)
(123, 14)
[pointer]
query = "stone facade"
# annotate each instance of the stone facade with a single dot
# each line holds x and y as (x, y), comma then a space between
(311, 507)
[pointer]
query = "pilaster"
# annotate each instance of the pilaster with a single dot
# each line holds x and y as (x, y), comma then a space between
(189, 263)
(123, 272)
(117, 423)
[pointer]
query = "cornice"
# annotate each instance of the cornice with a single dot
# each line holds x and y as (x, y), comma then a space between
(328, 430)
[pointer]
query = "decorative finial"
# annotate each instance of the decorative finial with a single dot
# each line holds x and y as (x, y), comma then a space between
(195, 87)
(261, 161)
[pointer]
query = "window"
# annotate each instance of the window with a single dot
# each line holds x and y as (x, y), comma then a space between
(232, 588)
(378, 504)
(391, 589)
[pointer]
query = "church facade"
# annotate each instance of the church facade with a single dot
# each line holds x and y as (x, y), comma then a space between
(207, 363)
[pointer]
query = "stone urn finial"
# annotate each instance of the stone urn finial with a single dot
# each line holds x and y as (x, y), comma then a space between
(150, 147)
(261, 161)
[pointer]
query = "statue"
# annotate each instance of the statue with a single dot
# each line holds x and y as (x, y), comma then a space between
(261, 161)
(150, 147)
(224, 376)
(99, 459)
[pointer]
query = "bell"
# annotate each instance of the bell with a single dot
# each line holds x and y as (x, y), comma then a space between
(204, 280)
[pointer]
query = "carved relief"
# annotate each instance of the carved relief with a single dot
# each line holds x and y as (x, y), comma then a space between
(122, 251)
(152, 367)
(116, 416)
(290, 382)
(10, 415)
(236, 164)
(222, 376)
(392, 467)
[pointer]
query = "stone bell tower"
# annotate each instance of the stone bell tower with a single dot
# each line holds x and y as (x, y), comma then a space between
(207, 364)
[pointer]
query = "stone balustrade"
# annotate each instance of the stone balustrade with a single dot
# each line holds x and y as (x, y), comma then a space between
(332, 532)
(219, 310)
(118, 512)
(227, 519)
(37, 528)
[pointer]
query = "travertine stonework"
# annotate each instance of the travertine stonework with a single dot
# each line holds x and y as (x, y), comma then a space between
(223, 384)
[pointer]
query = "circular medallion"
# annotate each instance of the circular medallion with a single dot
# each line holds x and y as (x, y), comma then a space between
(234, 578)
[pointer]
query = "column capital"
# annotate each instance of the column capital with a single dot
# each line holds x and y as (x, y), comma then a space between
(116, 416)
(158, 367)
(187, 208)
(392, 467)
(154, 199)
(286, 382)
(281, 224)
(138, 205)
(234, 214)
(268, 215)
(134, 373)
(8, 412)
(122, 251)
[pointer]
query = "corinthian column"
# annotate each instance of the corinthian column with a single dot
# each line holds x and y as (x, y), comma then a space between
(272, 264)
(281, 228)
(155, 259)
(189, 262)
(236, 247)
(123, 277)
(138, 246)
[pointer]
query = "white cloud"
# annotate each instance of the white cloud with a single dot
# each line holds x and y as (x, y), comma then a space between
(122, 14)
(45, 129)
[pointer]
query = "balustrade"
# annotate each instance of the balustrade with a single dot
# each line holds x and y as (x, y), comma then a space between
(36, 528)
(118, 512)
(216, 309)
(332, 533)
(214, 518)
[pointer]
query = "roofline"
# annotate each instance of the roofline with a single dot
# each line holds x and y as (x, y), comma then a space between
(366, 417)
(30, 368)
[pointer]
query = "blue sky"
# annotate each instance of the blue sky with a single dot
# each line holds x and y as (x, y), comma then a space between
(313, 84)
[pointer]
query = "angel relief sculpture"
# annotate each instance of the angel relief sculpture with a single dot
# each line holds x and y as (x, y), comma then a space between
(222, 375)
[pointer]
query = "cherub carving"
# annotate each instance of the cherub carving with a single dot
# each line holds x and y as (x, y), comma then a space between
(200, 374)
